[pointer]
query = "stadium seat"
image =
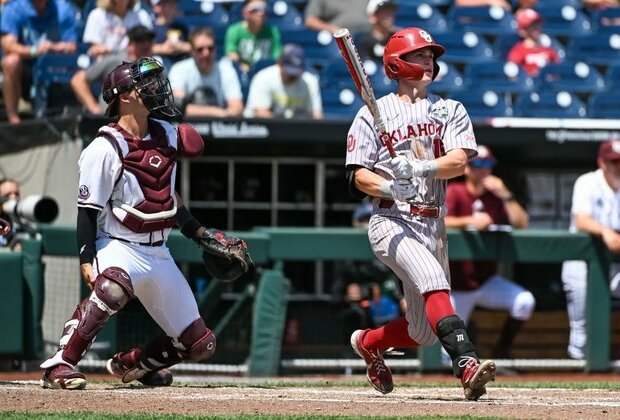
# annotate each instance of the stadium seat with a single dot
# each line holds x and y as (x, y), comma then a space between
(212, 15)
(576, 77)
(436, 3)
(500, 77)
(190, 7)
(465, 47)
(612, 77)
(52, 75)
(503, 44)
(483, 20)
(565, 21)
(246, 78)
(421, 15)
(320, 47)
(607, 21)
(482, 104)
(605, 104)
(449, 79)
(341, 102)
(549, 104)
(599, 49)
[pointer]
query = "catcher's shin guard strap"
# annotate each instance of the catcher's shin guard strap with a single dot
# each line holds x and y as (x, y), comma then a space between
(198, 341)
(454, 339)
(188, 223)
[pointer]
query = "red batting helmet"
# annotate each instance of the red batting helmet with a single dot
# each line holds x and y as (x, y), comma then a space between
(406, 41)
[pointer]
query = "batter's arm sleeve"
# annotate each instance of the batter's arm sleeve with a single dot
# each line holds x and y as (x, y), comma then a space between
(353, 190)
(86, 234)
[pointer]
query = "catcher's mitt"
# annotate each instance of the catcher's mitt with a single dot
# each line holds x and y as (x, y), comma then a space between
(5, 227)
(225, 258)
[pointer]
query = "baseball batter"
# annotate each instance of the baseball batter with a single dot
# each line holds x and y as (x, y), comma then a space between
(127, 206)
(595, 210)
(433, 138)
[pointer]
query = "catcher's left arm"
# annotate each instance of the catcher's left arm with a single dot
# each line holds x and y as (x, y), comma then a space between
(226, 258)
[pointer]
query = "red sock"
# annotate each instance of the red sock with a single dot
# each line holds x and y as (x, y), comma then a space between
(392, 334)
(438, 306)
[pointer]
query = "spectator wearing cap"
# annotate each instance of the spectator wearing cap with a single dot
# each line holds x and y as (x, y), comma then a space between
(595, 210)
(331, 15)
(381, 14)
(251, 39)
(481, 202)
(31, 28)
(171, 35)
(285, 89)
(204, 86)
(140, 45)
(361, 215)
(530, 53)
(107, 25)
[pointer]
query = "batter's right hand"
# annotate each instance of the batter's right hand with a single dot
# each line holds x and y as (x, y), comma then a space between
(403, 190)
(402, 168)
(88, 275)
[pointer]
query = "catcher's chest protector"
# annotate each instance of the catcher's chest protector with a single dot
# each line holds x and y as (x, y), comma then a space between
(152, 163)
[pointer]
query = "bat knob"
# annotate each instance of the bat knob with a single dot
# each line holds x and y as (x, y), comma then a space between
(342, 32)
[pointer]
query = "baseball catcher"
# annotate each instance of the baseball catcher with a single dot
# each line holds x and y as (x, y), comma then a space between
(226, 258)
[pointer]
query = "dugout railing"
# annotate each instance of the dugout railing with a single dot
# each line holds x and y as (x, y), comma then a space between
(23, 272)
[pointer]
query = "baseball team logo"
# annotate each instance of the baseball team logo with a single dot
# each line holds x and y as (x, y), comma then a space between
(427, 37)
(350, 143)
(155, 161)
(83, 192)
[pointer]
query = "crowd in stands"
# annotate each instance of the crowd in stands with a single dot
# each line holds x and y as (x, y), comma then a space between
(202, 42)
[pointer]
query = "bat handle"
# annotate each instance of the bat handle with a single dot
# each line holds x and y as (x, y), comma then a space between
(385, 139)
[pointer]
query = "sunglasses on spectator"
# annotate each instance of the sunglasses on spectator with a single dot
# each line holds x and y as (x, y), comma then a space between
(206, 47)
(482, 163)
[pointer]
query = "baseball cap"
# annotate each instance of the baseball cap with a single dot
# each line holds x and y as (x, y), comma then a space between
(609, 150)
(526, 17)
(293, 60)
(374, 5)
(140, 33)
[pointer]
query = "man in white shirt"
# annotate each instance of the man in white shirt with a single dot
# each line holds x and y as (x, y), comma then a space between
(203, 86)
(595, 210)
(285, 89)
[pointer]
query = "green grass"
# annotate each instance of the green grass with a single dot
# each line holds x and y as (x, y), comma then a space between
(96, 416)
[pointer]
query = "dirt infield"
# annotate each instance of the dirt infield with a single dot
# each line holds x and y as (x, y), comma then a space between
(192, 395)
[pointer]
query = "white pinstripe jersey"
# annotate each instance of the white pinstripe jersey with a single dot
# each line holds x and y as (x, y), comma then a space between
(422, 130)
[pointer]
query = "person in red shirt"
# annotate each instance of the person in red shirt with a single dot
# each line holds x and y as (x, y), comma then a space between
(483, 202)
(530, 53)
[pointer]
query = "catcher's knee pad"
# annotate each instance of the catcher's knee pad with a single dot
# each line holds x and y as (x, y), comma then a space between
(112, 292)
(197, 341)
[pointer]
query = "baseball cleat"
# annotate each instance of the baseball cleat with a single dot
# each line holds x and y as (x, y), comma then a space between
(377, 372)
(63, 377)
(475, 376)
(161, 377)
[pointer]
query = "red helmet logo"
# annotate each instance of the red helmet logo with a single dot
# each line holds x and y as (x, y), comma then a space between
(406, 41)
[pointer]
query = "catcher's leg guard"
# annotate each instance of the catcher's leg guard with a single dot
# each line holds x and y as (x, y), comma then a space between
(196, 342)
(112, 292)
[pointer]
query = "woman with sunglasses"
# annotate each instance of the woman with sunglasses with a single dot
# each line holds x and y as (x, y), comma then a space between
(480, 202)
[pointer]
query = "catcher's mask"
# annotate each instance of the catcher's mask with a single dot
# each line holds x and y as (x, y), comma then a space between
(406, 41)
(145, 75)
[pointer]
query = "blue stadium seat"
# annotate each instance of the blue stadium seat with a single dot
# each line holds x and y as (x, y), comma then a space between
(436, 3)
(483, 20)
(465, 47)
(212, 15)
(503, 44)
(336, 73)
(605, 104)
(320, 47)
(341, 102)
(482, 104)
(550, 104)
(577, 77)
(421, 15)
(246, 78)
(612, 77)
(607, 21)
(599, 49)
(190, 7)
(52, 75)
(564, 21)
(500, 77)
(449, 80)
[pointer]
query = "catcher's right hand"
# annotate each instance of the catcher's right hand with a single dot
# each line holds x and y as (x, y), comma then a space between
(226, 258)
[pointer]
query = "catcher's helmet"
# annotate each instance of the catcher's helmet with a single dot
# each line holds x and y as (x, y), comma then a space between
(146, 76)
(406, 41)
